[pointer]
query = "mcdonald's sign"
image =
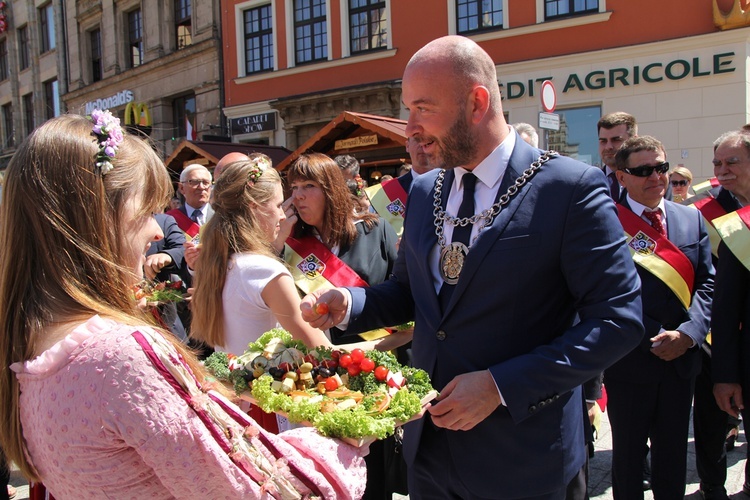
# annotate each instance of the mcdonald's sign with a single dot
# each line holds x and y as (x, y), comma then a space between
(138, 116)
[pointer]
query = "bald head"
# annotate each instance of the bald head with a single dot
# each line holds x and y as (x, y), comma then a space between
(467, 63)
(455, 114)
(226, 160)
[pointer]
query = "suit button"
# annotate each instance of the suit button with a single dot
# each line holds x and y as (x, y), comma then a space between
(532, 409)
(441, 335)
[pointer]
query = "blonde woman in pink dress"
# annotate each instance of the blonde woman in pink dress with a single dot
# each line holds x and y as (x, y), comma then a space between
(95, 400)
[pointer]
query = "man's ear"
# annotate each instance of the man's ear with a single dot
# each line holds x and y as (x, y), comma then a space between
(479, 102)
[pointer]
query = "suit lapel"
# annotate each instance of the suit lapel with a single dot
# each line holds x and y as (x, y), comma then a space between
(520, 160)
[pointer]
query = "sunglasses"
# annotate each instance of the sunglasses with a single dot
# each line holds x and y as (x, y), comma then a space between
(647, 170)
(679, 183)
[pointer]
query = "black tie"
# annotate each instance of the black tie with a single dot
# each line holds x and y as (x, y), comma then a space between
(461, 233)
(614, 186)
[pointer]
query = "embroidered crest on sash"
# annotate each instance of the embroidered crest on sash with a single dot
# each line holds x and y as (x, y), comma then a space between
(311, 266)
(642, 243)
(395, 208)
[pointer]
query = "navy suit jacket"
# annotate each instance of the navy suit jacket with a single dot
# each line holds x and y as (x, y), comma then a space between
(171, 244)
(554, 251)
(662, 309)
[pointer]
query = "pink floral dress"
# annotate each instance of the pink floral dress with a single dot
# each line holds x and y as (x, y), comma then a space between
(112, 411)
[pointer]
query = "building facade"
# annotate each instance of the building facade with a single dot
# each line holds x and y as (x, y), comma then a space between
(291, 66)
(32, 71)
(156, 64)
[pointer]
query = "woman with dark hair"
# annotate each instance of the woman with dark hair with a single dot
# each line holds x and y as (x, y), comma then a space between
(332, 244)
(327, 214)
(96, 401)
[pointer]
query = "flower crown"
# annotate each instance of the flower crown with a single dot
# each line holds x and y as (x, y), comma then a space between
(260, 165)
(109, 137)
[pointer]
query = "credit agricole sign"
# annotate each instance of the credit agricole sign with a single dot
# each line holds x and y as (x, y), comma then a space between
(655, 72)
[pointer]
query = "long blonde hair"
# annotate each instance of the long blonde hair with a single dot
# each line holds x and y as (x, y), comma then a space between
(64, 243)
(234, 228)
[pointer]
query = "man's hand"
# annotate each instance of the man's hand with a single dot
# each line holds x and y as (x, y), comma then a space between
(192, 251)
(670, 345)
(285, 226)
(324, 317)
(155, 263)
(729, 398)
(466, 400)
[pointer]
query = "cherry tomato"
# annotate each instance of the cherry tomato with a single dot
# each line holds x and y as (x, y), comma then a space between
(367, 365)
(335, 354)
(353, 370)
(381, 373)
(331, 384)
(345, 360)
(321, 308)
(358, 355)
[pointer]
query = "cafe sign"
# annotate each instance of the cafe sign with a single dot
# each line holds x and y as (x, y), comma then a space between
(356, 142)
(254, 123)
(654, 72)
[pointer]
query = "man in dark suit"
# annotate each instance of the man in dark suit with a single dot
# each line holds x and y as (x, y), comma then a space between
(710, 423)
(650, 390)
(164, 262)
(613, 130)
(731, 312)
(495, 310)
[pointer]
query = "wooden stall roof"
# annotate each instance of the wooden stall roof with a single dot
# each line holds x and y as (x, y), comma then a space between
(347, 125)
(209, 153)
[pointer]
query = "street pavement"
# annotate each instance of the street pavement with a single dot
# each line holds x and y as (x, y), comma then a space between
(600, 486)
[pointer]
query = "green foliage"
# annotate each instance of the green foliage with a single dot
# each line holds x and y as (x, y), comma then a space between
(218, 365)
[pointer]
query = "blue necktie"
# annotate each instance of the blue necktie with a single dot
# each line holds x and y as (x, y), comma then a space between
(196, 216)
(461, 233)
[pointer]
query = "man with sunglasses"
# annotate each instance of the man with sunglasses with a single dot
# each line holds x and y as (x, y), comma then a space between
(650, 390)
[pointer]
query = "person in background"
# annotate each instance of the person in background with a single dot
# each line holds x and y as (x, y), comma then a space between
(226, 160)
(681, 178)
(242, 288)
(715, 431)
(712, 415)
(329, 235)
(650, 390)
(97, 401)
(349, 166)
(527, 133)
(495, 305)
(613, 130)
(175, 203)
(9, 492)
(195, 187)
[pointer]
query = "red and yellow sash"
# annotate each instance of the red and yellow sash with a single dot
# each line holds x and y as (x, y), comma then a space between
(734, 229)
(389, 201)
(711, 183)
(710, 209)
(314, 267)
(657, 255)
(186, 224)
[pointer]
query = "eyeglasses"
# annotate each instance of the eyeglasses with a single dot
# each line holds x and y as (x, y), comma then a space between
(193, 183)
(647, 170)
(678, 183)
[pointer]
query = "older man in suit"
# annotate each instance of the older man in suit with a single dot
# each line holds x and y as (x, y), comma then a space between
(496, 308)
(651, 389)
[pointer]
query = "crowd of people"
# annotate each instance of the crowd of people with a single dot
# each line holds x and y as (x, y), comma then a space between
(536, 283)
